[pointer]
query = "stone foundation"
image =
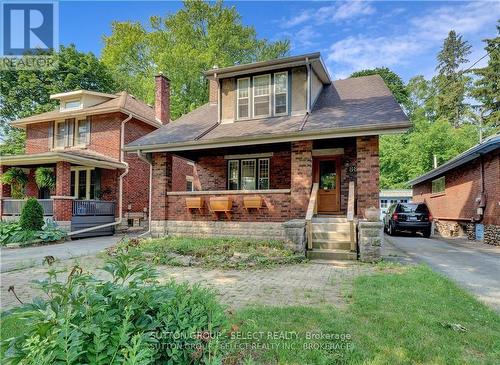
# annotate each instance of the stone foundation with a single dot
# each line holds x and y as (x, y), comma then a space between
(492, 234)
(451, 229)
(295, 235)
(370, 240)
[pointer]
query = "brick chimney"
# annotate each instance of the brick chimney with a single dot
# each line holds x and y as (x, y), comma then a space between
(213, 91)
(162, 99)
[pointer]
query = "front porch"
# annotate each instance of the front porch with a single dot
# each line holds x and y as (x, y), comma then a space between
(259, 191)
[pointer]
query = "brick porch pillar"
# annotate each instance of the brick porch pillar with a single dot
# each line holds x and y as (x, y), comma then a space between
(161, 184)
(4, 189)
(63, 201)
(367, 175)
(301, 179)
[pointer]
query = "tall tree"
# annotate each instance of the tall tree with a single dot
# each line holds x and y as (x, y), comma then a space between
(27, 92)
(487, 87)
(393, 81)
(451, 83)
(182, 45)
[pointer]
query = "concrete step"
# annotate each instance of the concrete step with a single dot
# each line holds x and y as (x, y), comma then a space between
(331, 227)
(329, 220)
(331, 235)
(331, 255)
(331, 245)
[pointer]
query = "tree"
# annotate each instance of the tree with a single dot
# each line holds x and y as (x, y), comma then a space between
(182, 45)
(487, 87)
(451, 83)
(27, 92)
(393, 81)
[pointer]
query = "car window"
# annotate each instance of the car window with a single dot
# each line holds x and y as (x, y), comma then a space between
(412, 208)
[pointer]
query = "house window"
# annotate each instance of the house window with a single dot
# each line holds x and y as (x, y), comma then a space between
(383, 203)
(82, 133)
(280, 93)
(262, 96)
(233, 173)
(243, 99)
(263, 174)
(438, 185)
(248, 174)
(73, 104)
(189, 183)
(84, 182)
(62, 133)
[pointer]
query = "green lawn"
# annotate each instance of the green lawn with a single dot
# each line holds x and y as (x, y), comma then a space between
(400, 315)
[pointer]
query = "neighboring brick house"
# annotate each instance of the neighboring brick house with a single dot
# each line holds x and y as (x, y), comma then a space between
(463, 194)
(82, 142)
(276, 141)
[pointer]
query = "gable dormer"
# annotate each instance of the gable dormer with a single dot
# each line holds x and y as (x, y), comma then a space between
(275, 88)
(80, 99)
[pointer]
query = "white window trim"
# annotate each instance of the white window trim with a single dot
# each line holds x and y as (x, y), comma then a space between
(229, 174)
(286, 93)
(254, 172)
(268, 172)
(75, 132)
(268, 94)
(88, 176)
(190, 179)
(55, 146)
(64, 102)
(238, 99)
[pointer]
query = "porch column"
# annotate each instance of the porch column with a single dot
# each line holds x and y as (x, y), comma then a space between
(367, 175)
(161, 184)
(301, 179)
(63, 201)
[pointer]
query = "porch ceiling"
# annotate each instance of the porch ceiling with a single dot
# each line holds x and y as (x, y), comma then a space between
(84, 158)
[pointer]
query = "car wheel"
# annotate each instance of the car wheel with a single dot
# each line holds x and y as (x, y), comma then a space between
(391, 230)
(427, 233)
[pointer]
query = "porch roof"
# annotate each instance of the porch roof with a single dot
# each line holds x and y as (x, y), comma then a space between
(78, 157)
(345, 108)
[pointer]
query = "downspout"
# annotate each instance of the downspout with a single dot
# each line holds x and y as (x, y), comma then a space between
(120, 185)
(481, 199)
(145, 159)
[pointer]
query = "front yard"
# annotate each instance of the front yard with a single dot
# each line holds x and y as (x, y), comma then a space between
(311, 313)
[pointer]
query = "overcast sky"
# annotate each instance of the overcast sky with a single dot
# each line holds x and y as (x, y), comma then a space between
(351, 35)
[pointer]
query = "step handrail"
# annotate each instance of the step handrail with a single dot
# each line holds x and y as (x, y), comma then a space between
(351, 199)
(312, 209)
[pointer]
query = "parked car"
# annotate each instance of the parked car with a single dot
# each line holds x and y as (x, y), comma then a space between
(413, 217)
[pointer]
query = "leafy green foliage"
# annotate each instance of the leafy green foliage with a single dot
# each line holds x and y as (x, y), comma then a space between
(14, 233)
(182, 46)
(392, 80)
(226, 253)
(17, 179)
(32, 216)
(26, 92)
(51, 232)
(45, 178)
(130, 319)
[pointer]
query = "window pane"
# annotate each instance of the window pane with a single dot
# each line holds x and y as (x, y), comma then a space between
(61, 134)
(261, 109)
(438, 185)
(72, 184)
(261, 85)
(233, 180)
(280, 107)
(189, 186)
(82, 184)
(264, 174)
(72, 104)
(82, 132)
(248, 175)
(243, 85)
(280, 82)
(242, 111)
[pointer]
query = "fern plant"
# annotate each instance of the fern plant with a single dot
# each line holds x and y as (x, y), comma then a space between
(17, 179)
(45, 178)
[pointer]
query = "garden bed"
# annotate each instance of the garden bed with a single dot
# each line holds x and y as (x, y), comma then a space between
(224, 253)
(12, 235)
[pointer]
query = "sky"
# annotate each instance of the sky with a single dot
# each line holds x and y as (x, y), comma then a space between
(351, 35)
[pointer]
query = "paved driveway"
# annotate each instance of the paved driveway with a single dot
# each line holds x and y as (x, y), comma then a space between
(474, 266)
(17, 258)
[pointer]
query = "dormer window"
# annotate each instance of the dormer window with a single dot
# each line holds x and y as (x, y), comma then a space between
(280, 93)
(243, 99)
(262, 96)
(73, 104)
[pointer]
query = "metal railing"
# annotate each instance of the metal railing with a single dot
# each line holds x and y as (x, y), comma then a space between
(351, 203)
(312, 209)
(15, 206)
(93, 207)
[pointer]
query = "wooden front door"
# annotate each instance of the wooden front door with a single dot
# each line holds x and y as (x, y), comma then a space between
(327, 175)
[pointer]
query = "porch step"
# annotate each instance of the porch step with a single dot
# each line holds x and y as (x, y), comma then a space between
(331, 235)
(336, 254)
(323, 219)
(331, 245)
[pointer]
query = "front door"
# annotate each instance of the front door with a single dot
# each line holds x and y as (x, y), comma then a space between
(327, 175)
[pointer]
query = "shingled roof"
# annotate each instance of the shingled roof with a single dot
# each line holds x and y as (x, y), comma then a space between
(354, 106)
(124, 102)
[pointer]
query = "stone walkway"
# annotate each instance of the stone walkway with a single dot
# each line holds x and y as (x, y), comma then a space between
(306, 284)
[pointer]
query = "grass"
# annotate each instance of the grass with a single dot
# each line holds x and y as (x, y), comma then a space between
(399, 315)
(225, 253)
(11, 325)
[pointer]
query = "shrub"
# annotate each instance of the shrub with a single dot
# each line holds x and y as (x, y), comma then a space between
(51, 232)
(7, 230)
(45, 178)
(130, 319)
(17, 179)
(32, 216)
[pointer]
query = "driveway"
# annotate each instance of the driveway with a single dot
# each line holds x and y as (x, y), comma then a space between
(474, 266)
(17, 258)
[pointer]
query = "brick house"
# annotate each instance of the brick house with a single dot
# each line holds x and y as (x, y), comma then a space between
(463, 194)
(278, 148)
(82, 141)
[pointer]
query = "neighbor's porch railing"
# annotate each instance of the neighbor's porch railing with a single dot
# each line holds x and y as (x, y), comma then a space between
(93, 207)
(15, 206)
(312, 209)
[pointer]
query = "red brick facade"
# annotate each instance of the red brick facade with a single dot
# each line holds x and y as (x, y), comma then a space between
(162, 183)
(182, 168)
(301, 177)
(62, 203)
(462, 187)
(368, 172)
